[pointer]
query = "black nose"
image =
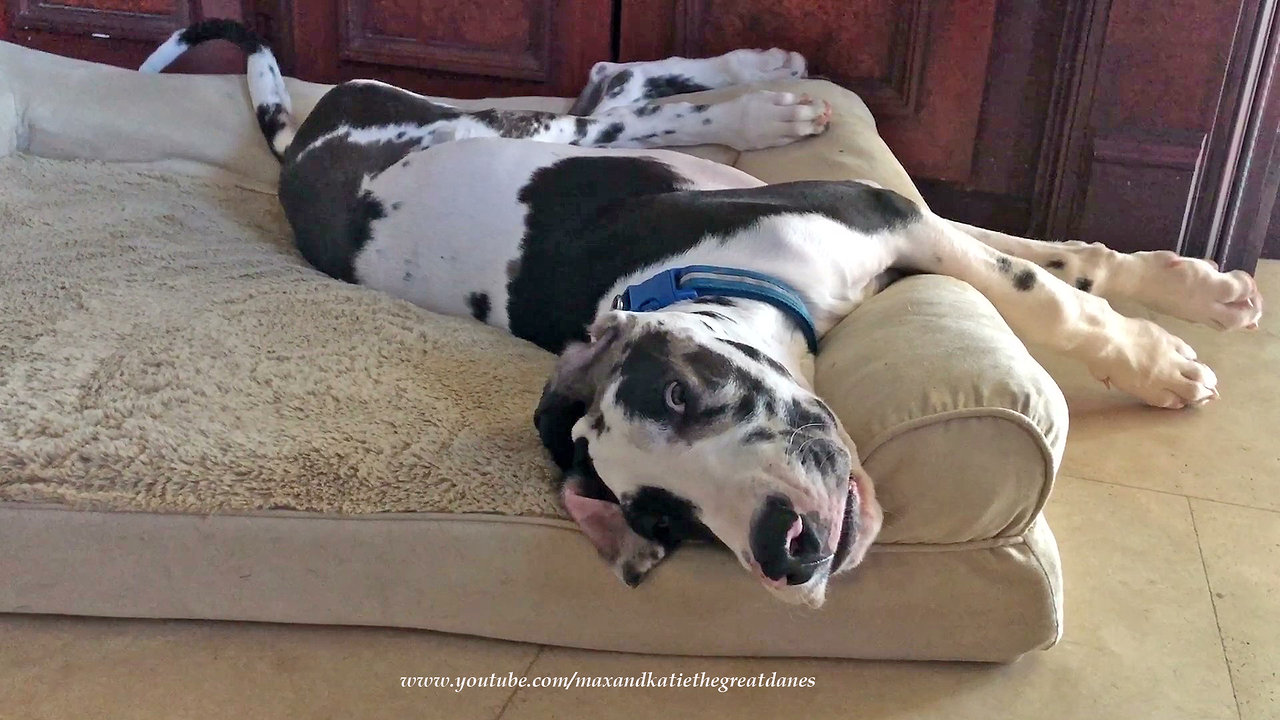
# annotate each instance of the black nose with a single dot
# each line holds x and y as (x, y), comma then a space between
(779, 553)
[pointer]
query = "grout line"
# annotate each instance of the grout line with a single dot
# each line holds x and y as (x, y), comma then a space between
(503, 710)
(1213, 601)
(1073, 476)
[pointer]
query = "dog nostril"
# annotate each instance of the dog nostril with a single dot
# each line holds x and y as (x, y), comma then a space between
(786, 545)
(805, 546)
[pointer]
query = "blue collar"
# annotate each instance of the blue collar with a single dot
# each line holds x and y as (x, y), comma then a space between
(688, 283)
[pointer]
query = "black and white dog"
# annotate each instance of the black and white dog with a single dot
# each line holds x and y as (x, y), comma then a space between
(687, 298)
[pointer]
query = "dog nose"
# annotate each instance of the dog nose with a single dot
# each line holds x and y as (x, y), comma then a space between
(785, 544)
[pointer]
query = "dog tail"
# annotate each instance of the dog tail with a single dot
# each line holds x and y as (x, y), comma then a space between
(267, 91)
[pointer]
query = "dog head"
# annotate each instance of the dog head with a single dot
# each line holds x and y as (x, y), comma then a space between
(668, 432)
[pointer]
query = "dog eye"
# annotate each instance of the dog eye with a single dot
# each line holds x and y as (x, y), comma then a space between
(656, 527)
(675, 396)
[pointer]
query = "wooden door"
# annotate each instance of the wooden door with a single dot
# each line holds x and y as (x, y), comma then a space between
(458, 48)
(118, 32)
(921, 65)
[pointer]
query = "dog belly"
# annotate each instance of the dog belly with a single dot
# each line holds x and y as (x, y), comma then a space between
(450, 238)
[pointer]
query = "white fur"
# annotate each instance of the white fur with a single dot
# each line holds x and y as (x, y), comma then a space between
(164, 55)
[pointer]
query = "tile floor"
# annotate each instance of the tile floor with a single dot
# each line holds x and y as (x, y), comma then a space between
(1169, 525)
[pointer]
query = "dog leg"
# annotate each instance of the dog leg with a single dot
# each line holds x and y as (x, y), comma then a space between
(1186, 288)
(749, 122)
(613, 85)
(1135, 355)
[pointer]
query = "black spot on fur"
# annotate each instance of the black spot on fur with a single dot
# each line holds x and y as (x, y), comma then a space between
(592, 220)
(401, 135)
(599, 426)
(321, 197)
(365, 105)
(759, 435)
(714, 300)
(756, 356)
(630, 575)
(515, 123)
(644, 374)
(219, 29)
(1004, 264)
(610, 133)
(808, 415)
(1056, 264)
(1024, 280)
(699, 108)
(271, 122)
(706, 121)
(647, 109)
(668, 132)
(1084, 283)
(590, 97)
(668, 85)
(479, 304)
(820, 455)
(405, 164)
(397, 205)
(713, 314)
(617, 84)
(663, 517)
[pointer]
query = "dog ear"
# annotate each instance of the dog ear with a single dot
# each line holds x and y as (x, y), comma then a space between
(570, 389)
(595, 509)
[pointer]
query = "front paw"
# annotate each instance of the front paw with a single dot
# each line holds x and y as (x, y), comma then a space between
(771, 119)
(1194, 290)
(1157, 367)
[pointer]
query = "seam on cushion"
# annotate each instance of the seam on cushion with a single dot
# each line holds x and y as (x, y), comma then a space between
(998, 413)
(478, 518)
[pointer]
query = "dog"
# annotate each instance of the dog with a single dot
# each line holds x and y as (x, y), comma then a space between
(686, 299)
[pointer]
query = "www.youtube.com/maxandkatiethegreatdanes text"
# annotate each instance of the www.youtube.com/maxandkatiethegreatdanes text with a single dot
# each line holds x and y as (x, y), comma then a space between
(721, 683)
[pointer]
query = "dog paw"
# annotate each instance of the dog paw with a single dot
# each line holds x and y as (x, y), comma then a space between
(1156, 367)
(757, 66)
(1195, 290)
(770, 119)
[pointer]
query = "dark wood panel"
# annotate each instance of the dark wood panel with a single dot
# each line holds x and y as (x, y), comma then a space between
(449, 47)
(141, 7)
(129, 19)
(919, 64)
(884, 66)
(502, 39)
(89, 34)
(1132, 182)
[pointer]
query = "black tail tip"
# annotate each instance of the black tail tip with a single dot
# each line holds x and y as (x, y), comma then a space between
(223, 29)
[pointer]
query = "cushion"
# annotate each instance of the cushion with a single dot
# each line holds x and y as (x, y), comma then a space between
(196, 424)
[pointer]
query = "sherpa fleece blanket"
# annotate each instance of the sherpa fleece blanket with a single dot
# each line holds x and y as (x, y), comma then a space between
(163, 347)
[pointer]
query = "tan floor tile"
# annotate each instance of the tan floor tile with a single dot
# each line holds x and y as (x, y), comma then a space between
(1141, 642)
(58, 668)
(1242, 554)
(1224, 451)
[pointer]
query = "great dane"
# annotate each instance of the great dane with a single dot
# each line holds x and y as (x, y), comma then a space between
(686, 298)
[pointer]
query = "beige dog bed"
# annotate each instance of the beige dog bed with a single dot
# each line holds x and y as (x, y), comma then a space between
(196, 424)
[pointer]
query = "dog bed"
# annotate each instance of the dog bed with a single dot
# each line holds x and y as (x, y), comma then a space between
(196, 424)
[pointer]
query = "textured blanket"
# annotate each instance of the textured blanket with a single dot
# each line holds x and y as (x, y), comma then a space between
(163, 347)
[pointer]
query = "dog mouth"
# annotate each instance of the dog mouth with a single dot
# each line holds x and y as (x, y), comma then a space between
(848, 526)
